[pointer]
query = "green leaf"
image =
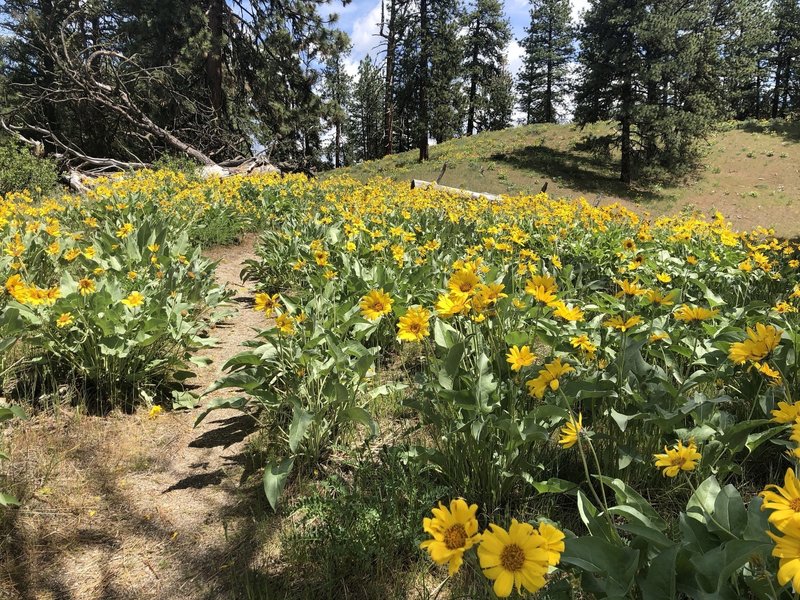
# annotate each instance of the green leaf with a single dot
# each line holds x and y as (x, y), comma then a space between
(730, 514)
(627, 496)
(301, 419)
(639, 524)
(11, 412)
(754, 440)
(453, 360)
(183, 400)
(554, 486)
(360, 415)
(444, 335)
(238, 403)
(363, 364)
(8, 500)
(617, 564)
(597, 526)
(659, 581)
(702, 501)
(623, 420)
(757, 521)
(275, 476)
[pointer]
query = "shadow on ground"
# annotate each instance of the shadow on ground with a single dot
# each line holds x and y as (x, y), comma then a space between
(576, 170)
(52, 549)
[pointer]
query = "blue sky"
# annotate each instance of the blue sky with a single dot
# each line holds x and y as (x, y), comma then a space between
(360, 18)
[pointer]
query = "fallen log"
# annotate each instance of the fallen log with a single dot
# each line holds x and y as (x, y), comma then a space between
(432, 185)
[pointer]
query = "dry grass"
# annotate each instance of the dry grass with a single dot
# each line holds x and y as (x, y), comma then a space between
(124, 506)
(751, 173)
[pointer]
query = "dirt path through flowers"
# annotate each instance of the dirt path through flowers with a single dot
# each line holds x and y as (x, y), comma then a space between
(127, 506)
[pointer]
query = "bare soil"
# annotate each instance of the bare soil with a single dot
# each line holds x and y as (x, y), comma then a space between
(128, 506)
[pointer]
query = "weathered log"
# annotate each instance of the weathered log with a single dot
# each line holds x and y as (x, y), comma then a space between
(432, 185)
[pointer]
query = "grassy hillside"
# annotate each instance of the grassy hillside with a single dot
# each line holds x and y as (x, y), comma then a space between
(751, 173)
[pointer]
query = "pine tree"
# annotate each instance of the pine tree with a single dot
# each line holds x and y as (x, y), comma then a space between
(487, 35)
(446, 78)
(786, 57)
(496, 105)
(654, 68)
(548, 46)
(336, 95)
(745, 41)
(393, 26)
(365, 122)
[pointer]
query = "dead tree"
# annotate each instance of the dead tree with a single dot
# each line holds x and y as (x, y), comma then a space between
(101, 77)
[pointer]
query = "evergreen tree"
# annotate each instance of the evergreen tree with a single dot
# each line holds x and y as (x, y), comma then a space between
(548, 46)
(365, 122)
(786, 57)
(496, 104)
(654, 68)
(446, 79)
(487, 35)
(336, 95)
(393, 29)
(745, 52)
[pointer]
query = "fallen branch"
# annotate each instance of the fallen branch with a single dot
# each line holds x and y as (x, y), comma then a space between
(432, 185)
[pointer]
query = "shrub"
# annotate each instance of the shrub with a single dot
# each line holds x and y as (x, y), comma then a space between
(20, 170)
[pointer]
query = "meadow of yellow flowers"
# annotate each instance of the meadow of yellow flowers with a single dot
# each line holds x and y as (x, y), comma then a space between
(600, 395)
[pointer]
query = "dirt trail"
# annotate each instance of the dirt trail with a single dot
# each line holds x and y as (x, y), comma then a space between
(126, 506)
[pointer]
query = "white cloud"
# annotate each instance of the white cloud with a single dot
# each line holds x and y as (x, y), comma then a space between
(364, 38)
(578, 6)
(514, 53)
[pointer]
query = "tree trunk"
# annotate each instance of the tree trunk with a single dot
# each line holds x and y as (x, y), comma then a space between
(778, 75)
(473, 84)
(337, 146)
(423, 84)
(626, 162)
(548, 94)
(214, 59)
(388, 96)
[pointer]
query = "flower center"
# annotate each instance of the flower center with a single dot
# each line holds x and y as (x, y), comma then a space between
(465, 287)
(679, 461)
(512, 558)
(378, 306)
(795, 504)
(455, 537)
(413, 327)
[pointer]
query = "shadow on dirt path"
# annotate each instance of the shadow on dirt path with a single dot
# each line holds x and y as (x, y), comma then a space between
(126, 506)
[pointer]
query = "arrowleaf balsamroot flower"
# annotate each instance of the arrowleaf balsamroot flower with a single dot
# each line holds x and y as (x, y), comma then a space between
(760, 342)
(452, 304)
(567, 312)
(65, 320)
(133, 300)
(678, 458)
(617, 322)
(520, 357)
(413, 326)
(463, 281)
(786, 412)
(583, 343)
(629, 288)
(784, 502)
(454, 531)
(691, 314)
(571, 432)
(517, 558)
(787, 549)
(375, 304)
(86, 286)
(266, 303)
(542, 288)
(548, 378)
